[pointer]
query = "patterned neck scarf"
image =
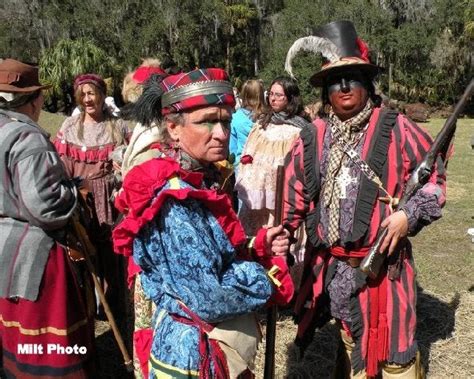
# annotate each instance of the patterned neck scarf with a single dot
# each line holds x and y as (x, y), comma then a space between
(212, 177)
(351, 130)
(280, 118)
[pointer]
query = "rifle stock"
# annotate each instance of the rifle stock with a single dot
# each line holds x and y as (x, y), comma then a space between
(374, 260)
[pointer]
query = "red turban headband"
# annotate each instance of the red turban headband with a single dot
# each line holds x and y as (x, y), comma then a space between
(196, 88)
(92, 79)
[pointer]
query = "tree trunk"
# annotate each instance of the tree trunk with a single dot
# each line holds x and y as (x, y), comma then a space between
(227, 57)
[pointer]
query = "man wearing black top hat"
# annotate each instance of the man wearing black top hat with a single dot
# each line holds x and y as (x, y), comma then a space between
(343, 179)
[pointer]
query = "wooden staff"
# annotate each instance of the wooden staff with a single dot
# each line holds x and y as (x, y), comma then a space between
(88, 248)
(272, 313)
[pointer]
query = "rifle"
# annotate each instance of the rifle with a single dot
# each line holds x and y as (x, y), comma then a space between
(87, 248)
(374, 260)
(269, 368)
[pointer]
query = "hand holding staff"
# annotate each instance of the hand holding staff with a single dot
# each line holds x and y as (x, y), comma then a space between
(269, 369)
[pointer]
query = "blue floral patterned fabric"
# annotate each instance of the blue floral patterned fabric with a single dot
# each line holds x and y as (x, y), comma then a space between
(186, 256)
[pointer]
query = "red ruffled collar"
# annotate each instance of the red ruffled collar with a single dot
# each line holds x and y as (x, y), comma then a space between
(138, 200)
(83, 153)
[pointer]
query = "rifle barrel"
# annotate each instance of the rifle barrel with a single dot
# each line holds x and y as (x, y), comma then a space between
(458, 108)
(374, 260)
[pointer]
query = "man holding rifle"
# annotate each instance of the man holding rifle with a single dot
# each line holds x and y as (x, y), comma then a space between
(344, 178)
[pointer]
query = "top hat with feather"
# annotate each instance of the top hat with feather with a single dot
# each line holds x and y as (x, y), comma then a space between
(340, 46)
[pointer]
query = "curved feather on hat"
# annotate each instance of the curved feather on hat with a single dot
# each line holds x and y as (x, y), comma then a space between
(315, 44)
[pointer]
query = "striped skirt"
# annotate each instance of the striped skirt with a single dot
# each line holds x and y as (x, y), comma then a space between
(53, 336)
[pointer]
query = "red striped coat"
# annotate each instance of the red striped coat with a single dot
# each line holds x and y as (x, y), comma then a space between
(383, 311)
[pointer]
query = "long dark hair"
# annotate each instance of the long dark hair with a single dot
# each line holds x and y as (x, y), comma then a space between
(19, 100)
(292, 93)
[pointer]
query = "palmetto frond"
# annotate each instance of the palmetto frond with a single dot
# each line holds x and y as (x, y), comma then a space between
(68, 58)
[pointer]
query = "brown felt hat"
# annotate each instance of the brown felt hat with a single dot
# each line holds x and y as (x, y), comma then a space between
(18, 77)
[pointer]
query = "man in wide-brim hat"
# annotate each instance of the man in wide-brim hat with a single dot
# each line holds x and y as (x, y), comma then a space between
(42, 304)
(344, 177)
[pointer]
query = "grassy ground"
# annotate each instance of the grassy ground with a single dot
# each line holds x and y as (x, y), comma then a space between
(51, 122)
(444, 256)
(444, 250)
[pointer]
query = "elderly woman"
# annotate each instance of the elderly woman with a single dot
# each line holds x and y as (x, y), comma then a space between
(42, 294)
(268, 143)
(197, 263)
(84, 143)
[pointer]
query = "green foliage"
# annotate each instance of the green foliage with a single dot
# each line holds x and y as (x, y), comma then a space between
(469, 19)
(293, 23)
(62, 63)
(428, 43)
